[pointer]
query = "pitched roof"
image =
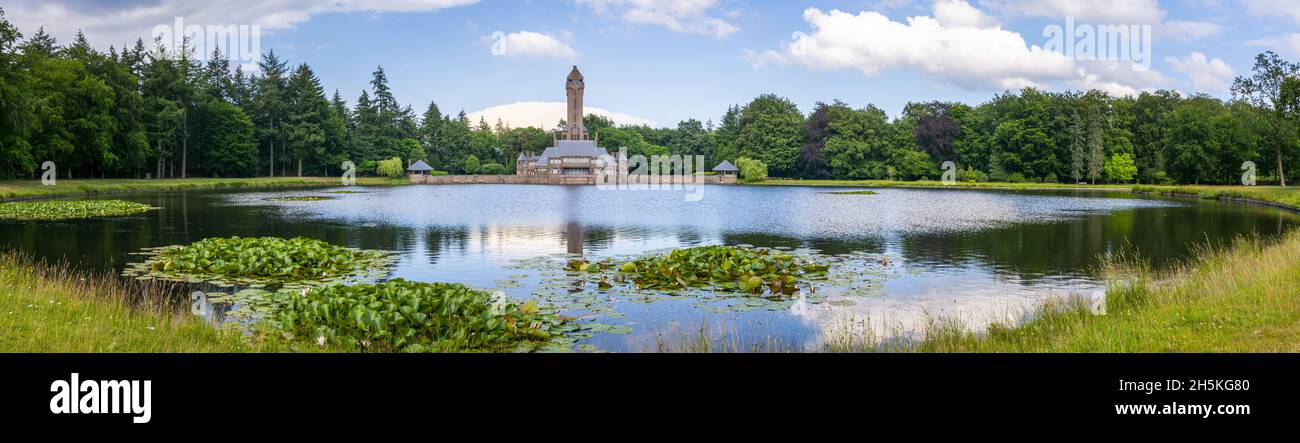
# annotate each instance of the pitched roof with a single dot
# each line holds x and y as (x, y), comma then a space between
(420, 166)
(572, 148)
(725, 166)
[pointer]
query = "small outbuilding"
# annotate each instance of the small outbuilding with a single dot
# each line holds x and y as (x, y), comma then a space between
(726, 168)
(420, 167)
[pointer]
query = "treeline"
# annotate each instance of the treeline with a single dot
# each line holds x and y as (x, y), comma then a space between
(160, 112)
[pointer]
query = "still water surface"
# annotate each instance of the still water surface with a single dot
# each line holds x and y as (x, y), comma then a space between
(973, 256)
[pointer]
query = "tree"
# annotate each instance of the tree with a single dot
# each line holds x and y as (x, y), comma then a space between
(937, 131)
(15, 107)
(771, 132)
(812, 164)
(1078, 147)
(751, 169)
(270, 105)
(1264, 89)
(391, 168)
(1096, 157)
(308, 117)
(1120, 168)
(231, 148)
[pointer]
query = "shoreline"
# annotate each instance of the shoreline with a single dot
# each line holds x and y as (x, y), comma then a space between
(23, 190)
(1238, 298)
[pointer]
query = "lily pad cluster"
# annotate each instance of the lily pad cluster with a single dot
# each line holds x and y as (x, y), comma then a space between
(262, 261)
(70, 209)
(754, 271)
(406, 316)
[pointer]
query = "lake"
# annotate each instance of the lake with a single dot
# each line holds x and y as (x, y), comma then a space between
(903, 258)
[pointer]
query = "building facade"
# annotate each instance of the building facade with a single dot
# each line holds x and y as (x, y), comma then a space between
(572, 157)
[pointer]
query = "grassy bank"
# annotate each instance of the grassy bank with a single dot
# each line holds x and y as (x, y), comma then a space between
(1245, 298)
(16, 189)
(47, 308)
(1289, 196)
(930, 184)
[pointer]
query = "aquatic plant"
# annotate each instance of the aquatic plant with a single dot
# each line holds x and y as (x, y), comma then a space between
(70, 209)
(406, 316)
(262, 260)
(723, 267)
(863, 192)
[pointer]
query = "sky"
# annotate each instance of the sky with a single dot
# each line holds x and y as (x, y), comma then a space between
(662, 61)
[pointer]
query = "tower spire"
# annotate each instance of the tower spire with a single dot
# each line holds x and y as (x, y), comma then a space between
(575, 87)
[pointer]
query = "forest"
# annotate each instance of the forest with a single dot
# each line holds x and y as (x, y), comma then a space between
(149, 111)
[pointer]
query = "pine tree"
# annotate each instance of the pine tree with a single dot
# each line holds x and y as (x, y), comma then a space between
(1078, 145)
(1096, 154)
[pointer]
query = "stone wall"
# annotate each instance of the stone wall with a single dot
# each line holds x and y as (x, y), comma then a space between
(562, 180)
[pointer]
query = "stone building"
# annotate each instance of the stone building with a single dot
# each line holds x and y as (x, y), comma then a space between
(572, 157)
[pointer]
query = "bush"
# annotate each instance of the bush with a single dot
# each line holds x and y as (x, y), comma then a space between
(972, 175)
(471, 165)
(491, 169)
(439, 173)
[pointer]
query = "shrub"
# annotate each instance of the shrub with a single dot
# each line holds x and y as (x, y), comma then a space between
(471, 165)
(491, 169)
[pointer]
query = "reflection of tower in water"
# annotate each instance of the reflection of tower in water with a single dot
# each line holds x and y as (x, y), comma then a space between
(574, 236)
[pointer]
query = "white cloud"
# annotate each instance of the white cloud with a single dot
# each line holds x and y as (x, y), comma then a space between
(530, 44)
(1204, 74)
(973, 58)
(1288, 44)
(958, 13)
(1188, 30)
(1119, 12)
(682, 16)
(546, 115)
(1270, 8)
(118, 23)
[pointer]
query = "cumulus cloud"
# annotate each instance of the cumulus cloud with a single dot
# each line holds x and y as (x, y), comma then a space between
(1127, 12)
(1204, 74)
(530, 44)
(122, 22)
(958, 13)
(546, 115)
(1288, 44)
(1188, 30)
(682, 16)
(964, 49)
(1272, 8)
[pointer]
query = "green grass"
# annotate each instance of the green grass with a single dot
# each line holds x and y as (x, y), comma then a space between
(11, 189)
(1288, 196)
(46, 308)
(1244, 298)
(928, 184)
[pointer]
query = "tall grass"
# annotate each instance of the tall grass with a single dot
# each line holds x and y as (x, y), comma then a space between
(54, 308)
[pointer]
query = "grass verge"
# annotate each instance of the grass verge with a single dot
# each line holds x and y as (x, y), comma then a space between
(1243, 298)
(18, 189)
(49, 308)
(1288, 197)
(931, 184)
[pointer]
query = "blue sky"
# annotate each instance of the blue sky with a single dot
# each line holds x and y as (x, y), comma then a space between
(668, 60)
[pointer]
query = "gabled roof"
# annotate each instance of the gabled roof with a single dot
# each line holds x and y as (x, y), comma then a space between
(725, 166)
(420, 166)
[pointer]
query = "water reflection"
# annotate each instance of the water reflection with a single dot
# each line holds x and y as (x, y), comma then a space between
(975, 256)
